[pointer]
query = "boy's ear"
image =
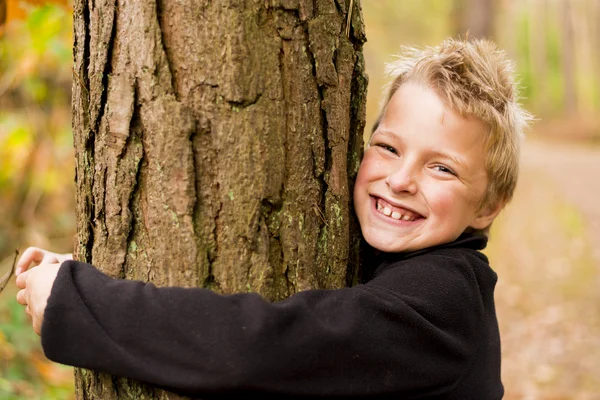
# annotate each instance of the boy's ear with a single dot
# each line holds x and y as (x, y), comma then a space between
(487, 215)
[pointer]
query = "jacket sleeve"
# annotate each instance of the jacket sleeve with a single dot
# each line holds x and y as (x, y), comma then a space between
(403, 332)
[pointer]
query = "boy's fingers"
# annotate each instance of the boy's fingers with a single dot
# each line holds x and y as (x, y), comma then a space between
(37, 325)
(32, 254)
(22, 279)
(21, 297)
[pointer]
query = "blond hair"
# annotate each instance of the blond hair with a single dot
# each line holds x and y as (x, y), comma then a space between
(475, 79)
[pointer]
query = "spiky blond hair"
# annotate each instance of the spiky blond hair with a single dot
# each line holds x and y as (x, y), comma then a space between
(477, 80)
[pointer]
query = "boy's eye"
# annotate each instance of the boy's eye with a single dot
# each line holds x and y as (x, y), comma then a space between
(444, 169)
(387, 148)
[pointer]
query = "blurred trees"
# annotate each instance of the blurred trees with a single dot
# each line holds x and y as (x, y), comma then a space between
(36, 178)
(475, 17)
(555, 45)
(2, 12)
(567, 57)
(19, 9)
(36, 155)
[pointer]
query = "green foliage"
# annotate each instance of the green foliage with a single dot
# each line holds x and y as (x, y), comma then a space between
(26, 374)
(555, 77)
(36, 152)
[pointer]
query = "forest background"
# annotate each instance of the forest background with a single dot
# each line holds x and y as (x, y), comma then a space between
(545, 246)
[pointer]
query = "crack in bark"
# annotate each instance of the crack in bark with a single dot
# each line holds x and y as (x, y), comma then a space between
(90, 200)
(95, 125)
(339, 8)
(195, 207)
(102, 212)
(86, 44)
(210, 282)
(324, 129)
(245, 102)
(106, 71)
(130, 206)
(89, 137)
(115, 385)
(168, 58)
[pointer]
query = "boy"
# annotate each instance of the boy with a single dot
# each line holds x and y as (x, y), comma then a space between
(441, 164)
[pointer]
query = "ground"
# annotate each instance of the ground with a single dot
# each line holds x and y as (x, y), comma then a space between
(545, 249)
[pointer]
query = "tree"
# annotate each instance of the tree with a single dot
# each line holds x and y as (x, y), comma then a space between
(216, 145)
(538, 57)
(568, 58)
(475, 17)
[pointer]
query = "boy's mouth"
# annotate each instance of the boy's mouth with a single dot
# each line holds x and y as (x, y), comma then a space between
(394, 212)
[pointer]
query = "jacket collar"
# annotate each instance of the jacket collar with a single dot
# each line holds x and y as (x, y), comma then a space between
(465, 240)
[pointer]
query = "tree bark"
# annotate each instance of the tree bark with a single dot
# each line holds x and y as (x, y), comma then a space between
(216, 145)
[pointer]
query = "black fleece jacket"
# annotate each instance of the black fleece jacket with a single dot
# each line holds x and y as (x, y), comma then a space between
(424, 327)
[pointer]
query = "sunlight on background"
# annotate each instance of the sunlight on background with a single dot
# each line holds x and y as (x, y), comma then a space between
(544, 246)
(36, 178)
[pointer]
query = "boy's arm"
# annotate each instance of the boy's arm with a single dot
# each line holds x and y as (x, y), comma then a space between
(364, 340)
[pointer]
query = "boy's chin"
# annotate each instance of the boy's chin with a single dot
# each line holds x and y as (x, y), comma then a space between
(404, 244)
(387, 246)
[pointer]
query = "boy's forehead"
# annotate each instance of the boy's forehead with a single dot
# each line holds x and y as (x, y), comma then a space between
(417, 105)
(413, 100)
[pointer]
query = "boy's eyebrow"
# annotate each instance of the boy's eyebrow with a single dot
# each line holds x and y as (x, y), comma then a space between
(388, 133)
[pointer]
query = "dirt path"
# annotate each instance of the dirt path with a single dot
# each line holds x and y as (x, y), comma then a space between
(545, 248)
(576, 172)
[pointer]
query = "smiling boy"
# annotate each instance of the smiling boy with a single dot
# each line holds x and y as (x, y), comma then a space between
(440, 165)
(423, 175)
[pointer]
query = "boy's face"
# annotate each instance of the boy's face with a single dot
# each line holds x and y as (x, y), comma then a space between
(422, 176)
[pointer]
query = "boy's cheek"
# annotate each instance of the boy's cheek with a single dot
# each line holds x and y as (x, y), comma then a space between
(448, 204)
(360, 184)
(369, 171)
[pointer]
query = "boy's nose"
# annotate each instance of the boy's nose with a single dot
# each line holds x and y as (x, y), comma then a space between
(402, 180)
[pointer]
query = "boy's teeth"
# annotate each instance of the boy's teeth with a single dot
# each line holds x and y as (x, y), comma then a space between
(397, 215)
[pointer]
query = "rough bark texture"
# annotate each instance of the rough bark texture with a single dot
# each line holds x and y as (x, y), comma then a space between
(216, 146)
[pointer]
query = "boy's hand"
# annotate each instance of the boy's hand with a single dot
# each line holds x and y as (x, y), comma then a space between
(39, 256)
(35, 286)
(36, 283)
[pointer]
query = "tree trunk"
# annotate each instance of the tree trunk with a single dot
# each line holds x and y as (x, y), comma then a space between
(216, 145)
(2, 14)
